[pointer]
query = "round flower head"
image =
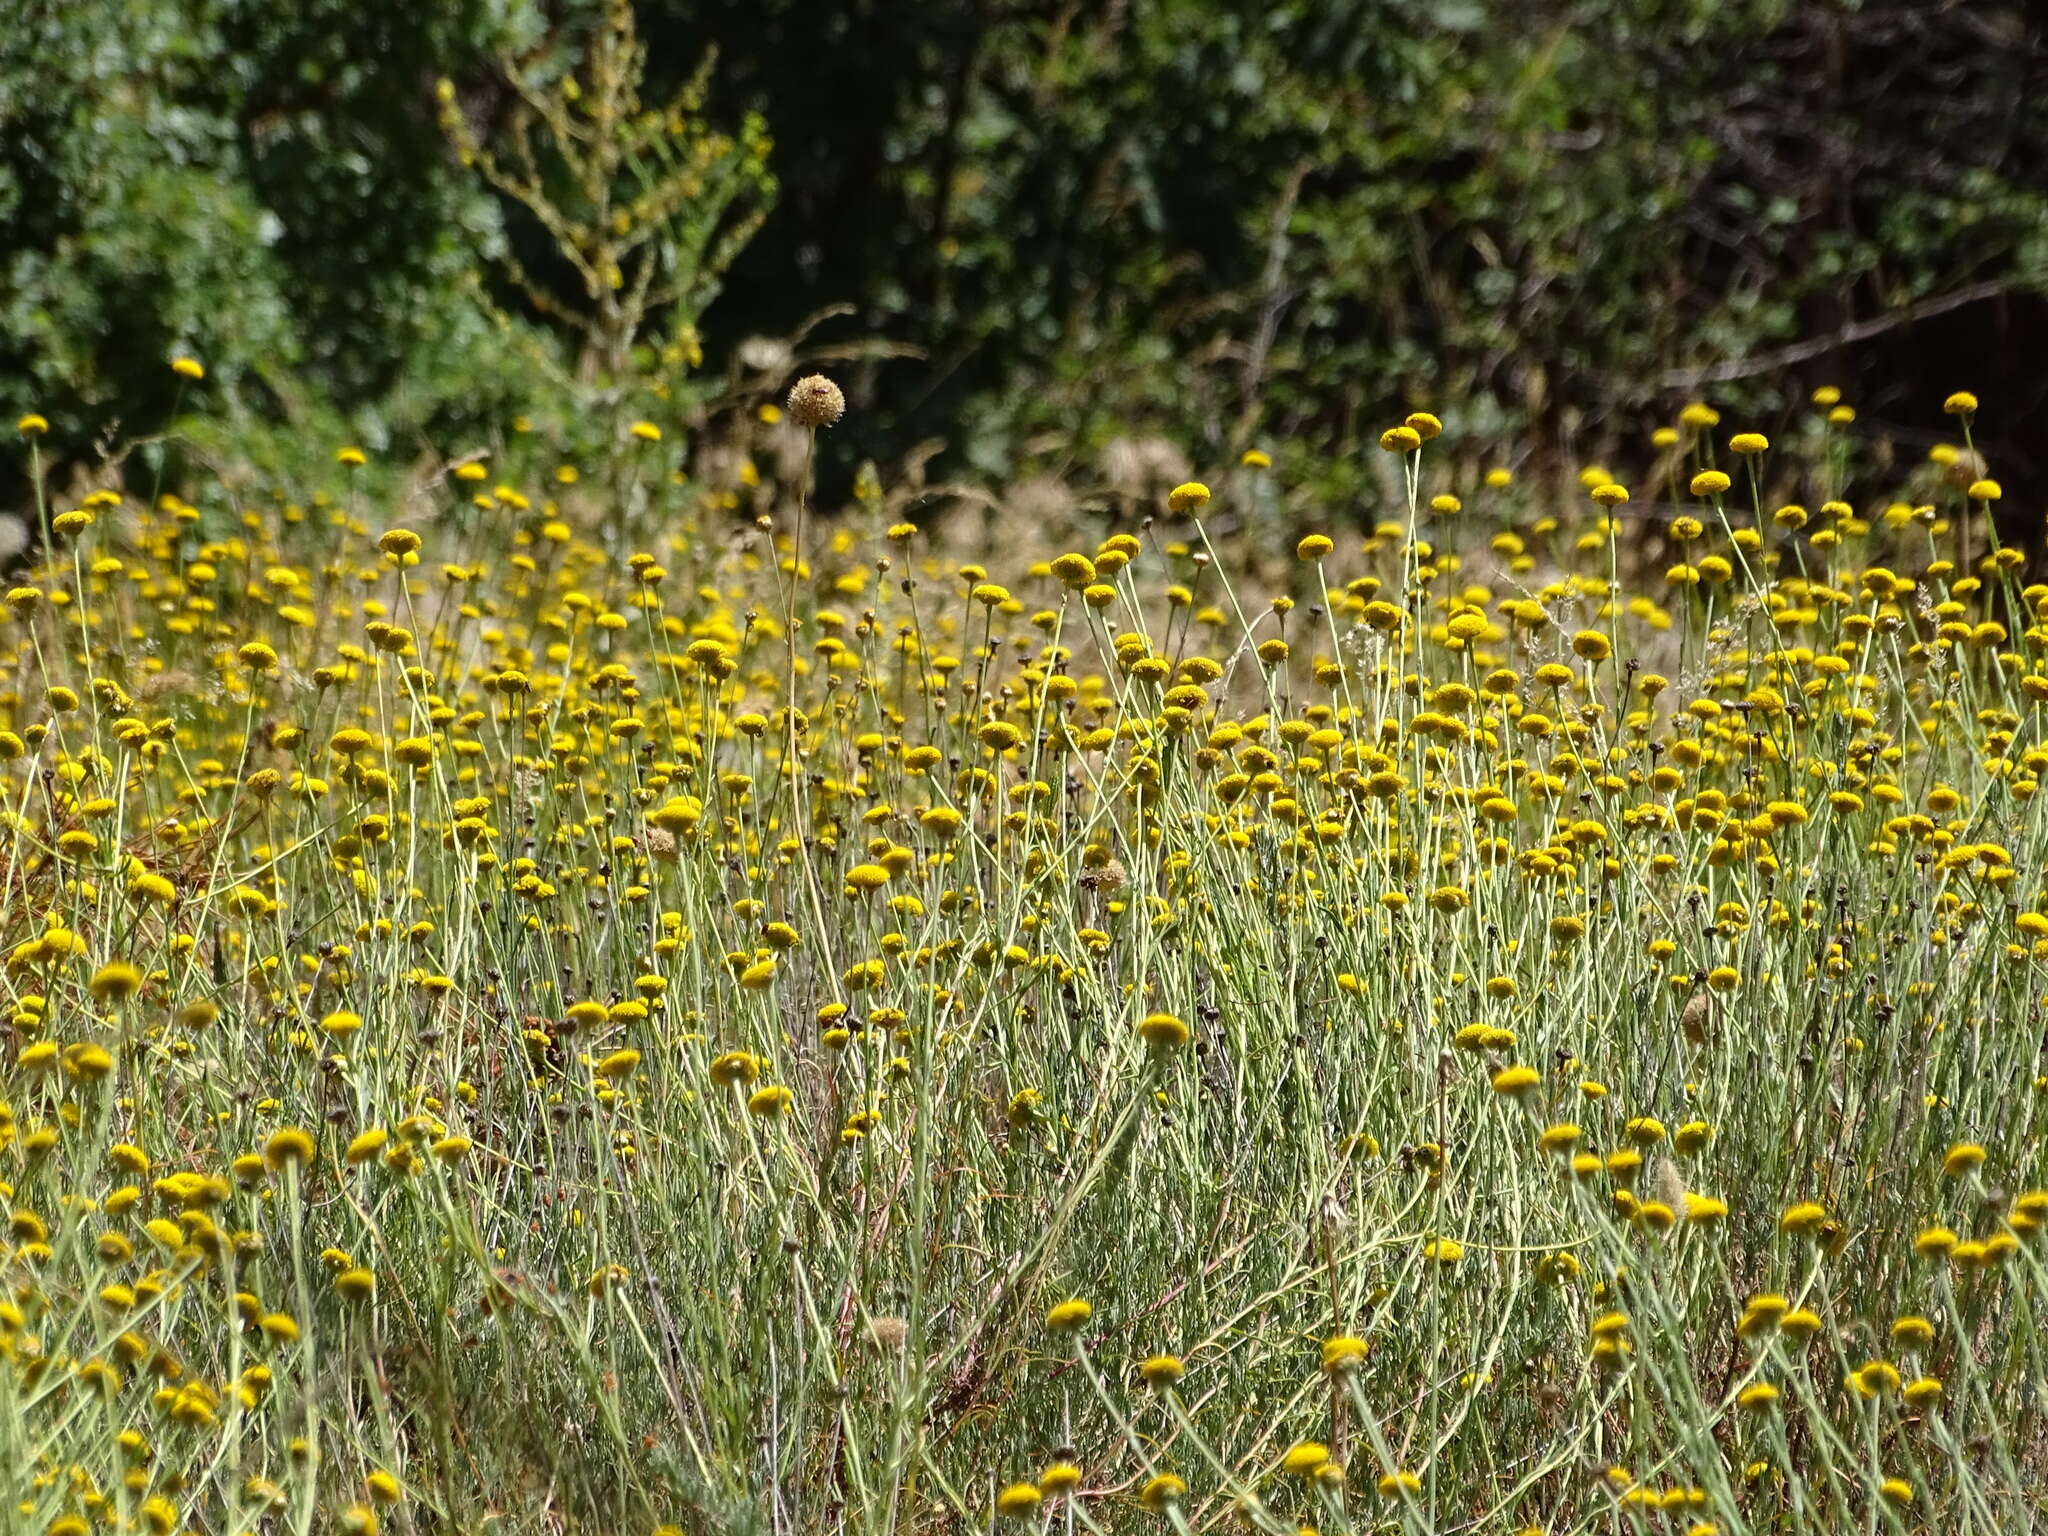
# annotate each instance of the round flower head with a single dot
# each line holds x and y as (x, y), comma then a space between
(1964, 1157)
(1018, 1501)
(1162, 1493)
(1343, 1353)
(1190, 496)
(1162, 1371)
(815, 401)
(1061, 1477)
(1069, 1315)
(1162, 1031)
(1304, 1457)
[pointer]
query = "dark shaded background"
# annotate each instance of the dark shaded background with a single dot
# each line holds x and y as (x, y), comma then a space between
(1191, 220)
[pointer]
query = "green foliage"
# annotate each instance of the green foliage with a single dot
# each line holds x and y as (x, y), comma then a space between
(1202, 222)
(1220, 222)
(644, 207)
(260, 186)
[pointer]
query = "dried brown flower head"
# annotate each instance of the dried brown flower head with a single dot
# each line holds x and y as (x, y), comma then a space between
(815, 401)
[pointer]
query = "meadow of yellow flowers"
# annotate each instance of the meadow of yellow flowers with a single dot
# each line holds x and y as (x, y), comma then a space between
(527, 1012)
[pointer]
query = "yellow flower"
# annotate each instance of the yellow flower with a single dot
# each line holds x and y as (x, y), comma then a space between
(1757, 1396)
(1304, 1457)
(1961, 403)
(287, 1147)
(1161, 1492)
(1059, 1478)
(1510, 1081)
(1162, 1031)
(1069, 1315)
(350, 458)
(1162, 1371)
(1342, 1353)
(1803, 1218)
(1018, 1501)
(1190, 496)
(1964, 1157)
(645, 431)
(115, 982)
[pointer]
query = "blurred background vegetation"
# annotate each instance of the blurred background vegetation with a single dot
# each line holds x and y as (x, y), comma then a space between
(1104, 242)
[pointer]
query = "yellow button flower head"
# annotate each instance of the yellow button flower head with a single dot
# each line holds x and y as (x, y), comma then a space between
(1709, 482)
(1961, 403)
(32, 425)
(1803, 1218)
(1510, 1082)
(1019, 1501)
(767, 1103)
(115, 982)
(1935, 1243)
(1964, 1157)
(1343, 1352)
(350, 457)
(1059, 1478)
(1161, 1493)
(1162, 1371)
(288, 1147)
(1402, 439)
(1190, 496)
(1748, 442)
(1069, 1315)
(1162, 1031)
(187, 368)
(1304, 1457)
